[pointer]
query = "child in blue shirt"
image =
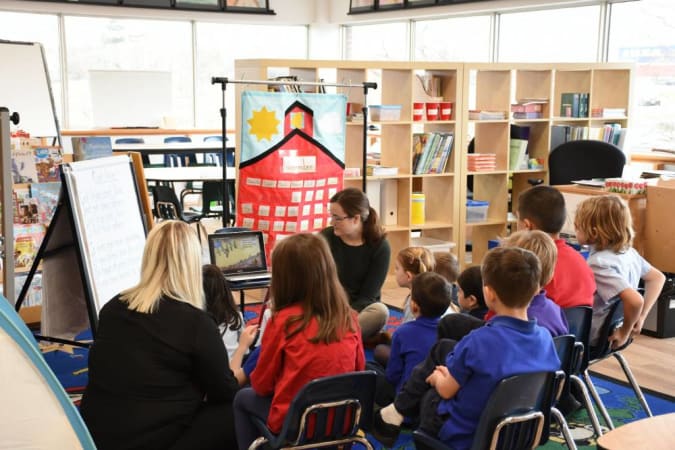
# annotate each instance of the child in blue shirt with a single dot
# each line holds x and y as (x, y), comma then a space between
(509, 344)
(430, 297)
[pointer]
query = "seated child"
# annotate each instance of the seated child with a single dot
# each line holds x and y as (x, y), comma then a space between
(220, 304)
(543, 310)
(604, 222)
(411, 342)
(470, 292)
(448, 267)
(509, 344)
(409, 263)
(543, 208)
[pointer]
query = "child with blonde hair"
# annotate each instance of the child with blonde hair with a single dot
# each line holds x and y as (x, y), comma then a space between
(409, 263)
(604, 222)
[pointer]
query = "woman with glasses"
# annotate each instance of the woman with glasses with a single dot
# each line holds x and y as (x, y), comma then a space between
(361, 253)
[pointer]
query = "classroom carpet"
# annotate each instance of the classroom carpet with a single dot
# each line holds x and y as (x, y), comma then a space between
(69, 363)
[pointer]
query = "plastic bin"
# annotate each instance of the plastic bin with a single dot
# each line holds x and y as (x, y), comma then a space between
(476, 211)
(384, 113)
(433, 245)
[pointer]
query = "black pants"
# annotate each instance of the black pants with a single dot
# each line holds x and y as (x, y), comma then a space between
(409, 400)
(211, 428)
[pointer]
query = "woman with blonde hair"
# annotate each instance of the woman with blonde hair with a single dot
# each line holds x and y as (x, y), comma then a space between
(158, 369)
(312, 333)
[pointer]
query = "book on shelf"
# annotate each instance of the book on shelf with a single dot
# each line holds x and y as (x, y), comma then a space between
(431, 152)
(481, 162)
(609, 113)
(374, 170)
(27, 240)
(528, 115)
(47, 197)
(47, 163)
(574, 104)
(529, 106)
(91, 147)
(518, 142)
(23, 166)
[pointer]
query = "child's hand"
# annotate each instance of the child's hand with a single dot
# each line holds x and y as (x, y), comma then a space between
(438, 373)
(248, 335)
(637, 328)
(619, 337)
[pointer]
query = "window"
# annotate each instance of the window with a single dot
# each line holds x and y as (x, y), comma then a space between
(388, 41)
(100, 44)
(552, 35)
(446, 39)
(219, 45)
(41, 28)
(642, 32)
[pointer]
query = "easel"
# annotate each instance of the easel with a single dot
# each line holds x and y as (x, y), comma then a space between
(223, 81)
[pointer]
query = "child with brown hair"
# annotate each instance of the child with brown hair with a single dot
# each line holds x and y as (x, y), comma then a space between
(462, 382)
(448, 267)
(220, 304)
(470, 292)
(604, 222)
(312, 333)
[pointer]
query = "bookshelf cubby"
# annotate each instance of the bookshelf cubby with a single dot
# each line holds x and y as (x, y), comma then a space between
(469, 86)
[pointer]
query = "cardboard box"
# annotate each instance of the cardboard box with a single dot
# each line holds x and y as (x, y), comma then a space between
(660, 226)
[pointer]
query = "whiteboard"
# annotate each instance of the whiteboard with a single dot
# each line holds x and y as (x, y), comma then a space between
(130, 98)
(108, 222)
(25, 88)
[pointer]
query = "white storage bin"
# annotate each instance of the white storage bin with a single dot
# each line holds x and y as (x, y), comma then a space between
(433, 245)
(476, 211)
(383, 113)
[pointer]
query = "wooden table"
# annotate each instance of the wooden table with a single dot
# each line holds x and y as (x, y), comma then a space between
(657, 159)
(189, 173)
(653, 433)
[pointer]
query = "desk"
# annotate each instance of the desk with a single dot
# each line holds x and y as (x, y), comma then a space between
(172, 147)
(245, 286)
(658, 160)
(189, 173)
(637, 204)
(653, 433)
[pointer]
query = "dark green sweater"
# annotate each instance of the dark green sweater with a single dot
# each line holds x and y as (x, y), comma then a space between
(362, 269)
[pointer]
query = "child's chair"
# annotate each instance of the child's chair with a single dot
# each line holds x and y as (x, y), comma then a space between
(614, 320)
(514, 416)
(39, 414)
(327, 412)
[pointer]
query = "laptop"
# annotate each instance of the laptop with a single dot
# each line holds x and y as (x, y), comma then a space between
(240, 255)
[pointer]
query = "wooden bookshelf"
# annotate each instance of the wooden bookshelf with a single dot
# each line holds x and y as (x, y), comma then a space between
(469, 86)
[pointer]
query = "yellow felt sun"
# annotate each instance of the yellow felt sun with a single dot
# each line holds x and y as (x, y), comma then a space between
(263, 124)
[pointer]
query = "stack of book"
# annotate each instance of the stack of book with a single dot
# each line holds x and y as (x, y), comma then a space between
(609, 113)
(431, 152)
(375, 170)
(482, 162)
(529, 109)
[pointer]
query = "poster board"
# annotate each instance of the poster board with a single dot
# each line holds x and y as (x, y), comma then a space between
(25, 87)
(97, 236)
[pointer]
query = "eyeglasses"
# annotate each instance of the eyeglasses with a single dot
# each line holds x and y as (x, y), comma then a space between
(335, 218)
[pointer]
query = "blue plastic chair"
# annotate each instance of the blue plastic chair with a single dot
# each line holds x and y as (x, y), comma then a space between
(326, 412)
(47, 417)
(144, 158)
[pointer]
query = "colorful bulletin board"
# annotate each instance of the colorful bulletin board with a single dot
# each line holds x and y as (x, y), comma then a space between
(291, 163)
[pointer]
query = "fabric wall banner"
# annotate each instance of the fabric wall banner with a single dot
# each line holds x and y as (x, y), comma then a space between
(292, 161)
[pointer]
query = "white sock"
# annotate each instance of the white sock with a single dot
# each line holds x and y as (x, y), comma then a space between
(391, 416)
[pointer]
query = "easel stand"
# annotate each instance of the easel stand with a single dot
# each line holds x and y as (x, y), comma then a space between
(7, 243)
(223, 81)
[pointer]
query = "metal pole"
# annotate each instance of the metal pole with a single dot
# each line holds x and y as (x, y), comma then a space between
(7, 244)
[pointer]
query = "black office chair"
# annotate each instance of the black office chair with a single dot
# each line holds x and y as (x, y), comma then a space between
(514, 416)
(326, 412)
(603, 351)
(579, 323)
(168, 207)
(144, 158)
(581, 160)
